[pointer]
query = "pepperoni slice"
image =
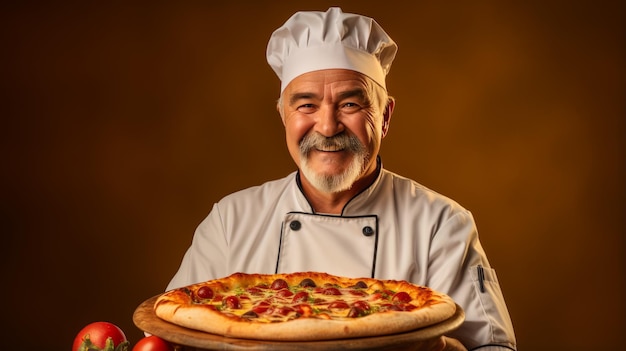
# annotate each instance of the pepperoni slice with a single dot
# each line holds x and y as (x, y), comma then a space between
(408, 307)
(284, 293)
(338, 305)
(355, 312)
(358, 293)
(389, 307)
(402, 297)
(254, 290)
(261, 307)
(231, 302)
(301, 296)
(205, 292)
(359, 285)
(331, 291)
(307, 283)
(250, 315)
(362, 305)
(283, 310)
(279, 284)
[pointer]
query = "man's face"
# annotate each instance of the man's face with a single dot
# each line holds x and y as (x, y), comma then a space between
(334, 126)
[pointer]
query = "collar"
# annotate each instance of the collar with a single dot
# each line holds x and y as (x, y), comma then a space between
(361, 196)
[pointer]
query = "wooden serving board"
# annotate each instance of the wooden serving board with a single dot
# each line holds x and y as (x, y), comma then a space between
(189, 339)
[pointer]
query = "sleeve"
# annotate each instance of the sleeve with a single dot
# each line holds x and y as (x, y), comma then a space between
(206, 257)
(458, 266)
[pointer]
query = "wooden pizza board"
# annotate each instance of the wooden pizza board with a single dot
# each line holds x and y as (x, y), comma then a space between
(189, 339)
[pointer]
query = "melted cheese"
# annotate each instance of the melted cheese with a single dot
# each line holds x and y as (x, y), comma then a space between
(262, 304)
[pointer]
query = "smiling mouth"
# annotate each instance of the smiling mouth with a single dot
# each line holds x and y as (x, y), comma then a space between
(329, 148)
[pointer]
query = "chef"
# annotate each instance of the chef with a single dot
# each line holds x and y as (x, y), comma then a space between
(342, 212)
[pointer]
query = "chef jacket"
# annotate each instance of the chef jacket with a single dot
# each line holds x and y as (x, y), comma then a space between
(394, 229)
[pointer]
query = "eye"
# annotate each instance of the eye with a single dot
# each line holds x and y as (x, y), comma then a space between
(306, 108)
(350, 107)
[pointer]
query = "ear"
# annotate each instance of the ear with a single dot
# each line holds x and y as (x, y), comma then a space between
(391, 104)
(280, 112)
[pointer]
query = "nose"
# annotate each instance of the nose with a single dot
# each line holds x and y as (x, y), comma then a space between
(327, 123)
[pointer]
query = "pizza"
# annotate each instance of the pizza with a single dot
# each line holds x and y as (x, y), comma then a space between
(303, 306)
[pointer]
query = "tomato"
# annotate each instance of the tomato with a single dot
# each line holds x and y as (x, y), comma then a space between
(101, 335)
(153, 343)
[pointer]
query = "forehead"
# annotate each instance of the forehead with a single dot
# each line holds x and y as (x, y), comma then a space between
(335, 79)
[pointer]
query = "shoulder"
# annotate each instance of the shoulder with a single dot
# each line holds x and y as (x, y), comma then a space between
(408, 187)
(409, 191)
(262, 192)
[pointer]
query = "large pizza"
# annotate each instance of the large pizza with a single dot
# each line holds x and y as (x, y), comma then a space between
(303, 306)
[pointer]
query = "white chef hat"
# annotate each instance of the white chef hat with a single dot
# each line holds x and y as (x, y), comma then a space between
(312, 40)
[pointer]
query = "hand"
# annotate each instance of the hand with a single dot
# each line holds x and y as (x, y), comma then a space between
(450, 344)
(443, 343)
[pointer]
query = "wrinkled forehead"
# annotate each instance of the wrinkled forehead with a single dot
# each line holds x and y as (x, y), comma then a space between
(329, 80)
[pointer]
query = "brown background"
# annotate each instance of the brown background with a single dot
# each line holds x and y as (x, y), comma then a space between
(122, 124)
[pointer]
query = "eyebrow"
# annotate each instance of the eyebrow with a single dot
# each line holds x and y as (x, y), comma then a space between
(358, 93)
(300, 96)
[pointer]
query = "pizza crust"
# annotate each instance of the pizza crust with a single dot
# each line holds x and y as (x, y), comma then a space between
(177, 307)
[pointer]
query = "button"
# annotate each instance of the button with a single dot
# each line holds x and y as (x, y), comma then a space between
(295, 225)
(368, 231)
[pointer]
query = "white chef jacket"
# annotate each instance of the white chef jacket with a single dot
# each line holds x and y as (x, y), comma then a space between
(394, 229)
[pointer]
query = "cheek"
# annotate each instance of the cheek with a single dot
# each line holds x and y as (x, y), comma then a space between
(295, 130)
(367, 131)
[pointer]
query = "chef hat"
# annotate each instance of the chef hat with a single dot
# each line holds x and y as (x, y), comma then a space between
(312, 40)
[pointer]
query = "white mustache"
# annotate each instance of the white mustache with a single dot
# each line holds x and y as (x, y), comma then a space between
(335, 143)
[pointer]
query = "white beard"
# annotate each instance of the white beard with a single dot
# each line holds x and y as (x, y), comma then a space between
(333, 183)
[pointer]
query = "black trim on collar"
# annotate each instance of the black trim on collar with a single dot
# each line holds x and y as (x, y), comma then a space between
(280, 245)
(378, 168)
(299, 183)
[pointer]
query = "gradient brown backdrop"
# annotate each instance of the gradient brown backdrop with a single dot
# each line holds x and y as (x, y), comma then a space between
(122, 124)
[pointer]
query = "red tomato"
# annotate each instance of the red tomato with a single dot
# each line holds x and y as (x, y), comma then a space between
(96, 334)
(153, 343)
